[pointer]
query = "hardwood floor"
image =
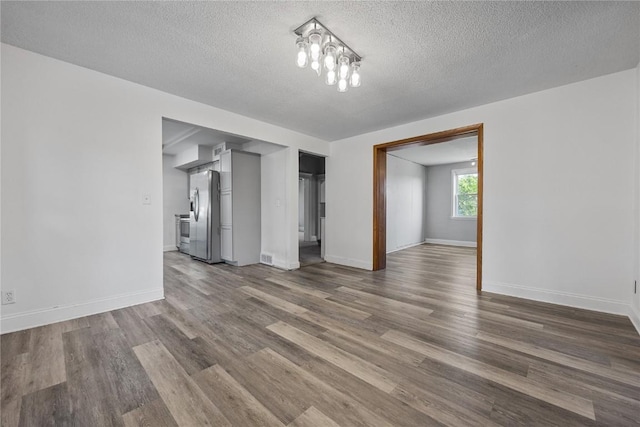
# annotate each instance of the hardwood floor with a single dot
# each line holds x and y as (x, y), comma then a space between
(412, 345)
(309, 253)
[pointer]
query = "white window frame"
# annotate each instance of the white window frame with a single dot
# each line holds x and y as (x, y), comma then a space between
(454, 188)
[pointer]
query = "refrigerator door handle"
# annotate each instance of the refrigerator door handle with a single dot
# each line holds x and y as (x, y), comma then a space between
(196, 198)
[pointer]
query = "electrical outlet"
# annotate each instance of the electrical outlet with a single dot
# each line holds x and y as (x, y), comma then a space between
(8, 297)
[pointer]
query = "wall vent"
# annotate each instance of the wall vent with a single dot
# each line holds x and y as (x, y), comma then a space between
(266, 259)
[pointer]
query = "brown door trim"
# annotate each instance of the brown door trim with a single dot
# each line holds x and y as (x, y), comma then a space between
(379, 189)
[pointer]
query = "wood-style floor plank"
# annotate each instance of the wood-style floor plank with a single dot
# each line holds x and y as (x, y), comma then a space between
(135, 329)
(14, 372)
(446, 411)
(300, 290)
(274, 301)
(127, 379)
(294, 382)
(187, 403)
(351, 364)
(238, 405)
(365, 338)
(412, 345)
(154, 414)
(313, 418)
(631, 378)
(93, 400)
(193, 355)
(46, 358)
(572, 403)
(46, 407)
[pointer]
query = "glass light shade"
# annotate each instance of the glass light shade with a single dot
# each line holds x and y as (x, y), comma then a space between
(354, 81)
(315, 66)
(331, 77)
(330, 56)
(343, 67)
(315, 40)
(302, 58)
(342, 85)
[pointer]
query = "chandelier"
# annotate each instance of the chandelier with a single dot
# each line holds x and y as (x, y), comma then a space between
(318, 46)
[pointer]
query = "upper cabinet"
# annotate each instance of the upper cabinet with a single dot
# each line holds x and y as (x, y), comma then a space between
(225, 170)
(240, 207)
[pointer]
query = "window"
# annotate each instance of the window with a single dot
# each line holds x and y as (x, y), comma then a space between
(465, 193)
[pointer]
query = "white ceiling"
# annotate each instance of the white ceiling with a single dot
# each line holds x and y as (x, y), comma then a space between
(455, 151)
(421, 59)
(178, 136)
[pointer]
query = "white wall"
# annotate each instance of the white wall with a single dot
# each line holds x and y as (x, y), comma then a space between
(80, 149)
(635, 298)
(405, 203)
(301, 205)
(175, 199)
(275, 199)
(556, 222)
(440, 227)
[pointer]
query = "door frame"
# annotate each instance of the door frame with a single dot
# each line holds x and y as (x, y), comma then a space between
(380, 186)
(307, 183)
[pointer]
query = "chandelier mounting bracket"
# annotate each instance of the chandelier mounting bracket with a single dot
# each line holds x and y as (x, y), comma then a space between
(314, 24)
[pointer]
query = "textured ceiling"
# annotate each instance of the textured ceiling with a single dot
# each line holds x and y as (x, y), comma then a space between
(459, 150)
(421, 59)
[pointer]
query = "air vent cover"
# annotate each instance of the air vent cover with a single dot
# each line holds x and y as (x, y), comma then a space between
(266, 259)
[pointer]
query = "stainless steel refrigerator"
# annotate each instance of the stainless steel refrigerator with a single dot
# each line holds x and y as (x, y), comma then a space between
(204, 218)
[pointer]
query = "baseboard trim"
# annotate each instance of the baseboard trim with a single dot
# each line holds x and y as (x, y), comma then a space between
(294, 265)
(170, 248)
(556, 297)
(356, 263)
(405, 247)
(284, 265)
(277, 264)
(634, 316)
(451, 242)
(32, 319)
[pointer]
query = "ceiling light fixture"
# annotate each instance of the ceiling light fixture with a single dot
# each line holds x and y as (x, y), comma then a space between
(320, 47)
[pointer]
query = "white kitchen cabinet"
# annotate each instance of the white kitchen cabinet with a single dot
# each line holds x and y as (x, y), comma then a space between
(225, 171)
(226, 208)
(240, 207)
(226, 242)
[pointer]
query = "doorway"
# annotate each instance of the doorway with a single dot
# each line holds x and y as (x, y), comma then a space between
(311, 207)
(380, 188)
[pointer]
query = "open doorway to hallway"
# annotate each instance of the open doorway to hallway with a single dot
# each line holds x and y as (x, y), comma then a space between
(311, 208)
(407, 212)
(432, 208)
(432, 194)
(213, 184)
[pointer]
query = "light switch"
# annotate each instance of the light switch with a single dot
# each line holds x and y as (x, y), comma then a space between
(277, 203)
(146, 199)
